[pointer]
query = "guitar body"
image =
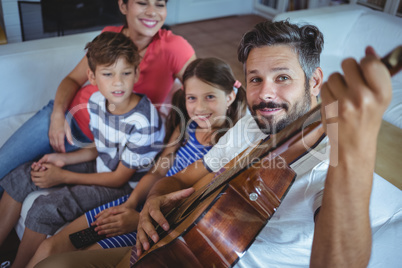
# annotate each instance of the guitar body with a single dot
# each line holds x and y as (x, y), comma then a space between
(217, 230)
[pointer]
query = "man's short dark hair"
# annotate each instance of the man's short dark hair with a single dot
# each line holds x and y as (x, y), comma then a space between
(307, 41)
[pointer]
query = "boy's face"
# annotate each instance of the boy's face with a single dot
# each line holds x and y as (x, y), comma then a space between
(116, 81)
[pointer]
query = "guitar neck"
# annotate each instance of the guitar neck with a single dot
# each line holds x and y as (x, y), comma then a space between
(393, 60)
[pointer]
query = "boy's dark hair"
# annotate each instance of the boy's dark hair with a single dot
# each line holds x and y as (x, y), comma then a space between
(307, 41)
(108, 47)
(216, 73)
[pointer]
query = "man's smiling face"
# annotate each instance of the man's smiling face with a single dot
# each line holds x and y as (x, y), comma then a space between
(276, 88)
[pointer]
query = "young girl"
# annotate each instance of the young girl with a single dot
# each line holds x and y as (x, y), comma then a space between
(214, 101)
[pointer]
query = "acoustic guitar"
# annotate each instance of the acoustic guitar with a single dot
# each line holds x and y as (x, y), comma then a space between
(217, 224)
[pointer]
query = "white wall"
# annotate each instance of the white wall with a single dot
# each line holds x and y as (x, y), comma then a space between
(182, 11)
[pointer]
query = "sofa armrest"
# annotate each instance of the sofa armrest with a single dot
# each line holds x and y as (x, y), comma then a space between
(31, 71)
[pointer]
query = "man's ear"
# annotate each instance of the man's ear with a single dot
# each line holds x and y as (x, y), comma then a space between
(91, 77)
(230, 98)
(122, 7)
(137, 74)
(316, 82)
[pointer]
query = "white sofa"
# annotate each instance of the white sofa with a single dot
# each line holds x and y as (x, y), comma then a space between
(31, 71)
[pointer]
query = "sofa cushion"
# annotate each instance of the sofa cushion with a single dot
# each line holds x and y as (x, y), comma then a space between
(373, 28)
(10, 124)
(377, 27)
(31, 71)
(20, 226)
(386, 223)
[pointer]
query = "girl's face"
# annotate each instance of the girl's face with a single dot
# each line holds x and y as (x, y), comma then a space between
(206, 104)
(146, 17)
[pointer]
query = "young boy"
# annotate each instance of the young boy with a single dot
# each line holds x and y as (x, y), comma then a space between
(127, 135)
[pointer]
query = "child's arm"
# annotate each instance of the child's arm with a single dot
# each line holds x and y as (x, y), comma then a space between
(124, 218)
(63, 159)
(54, 175)
(82, 155)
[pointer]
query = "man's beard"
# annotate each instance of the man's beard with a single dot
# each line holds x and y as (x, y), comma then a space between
(268, 125)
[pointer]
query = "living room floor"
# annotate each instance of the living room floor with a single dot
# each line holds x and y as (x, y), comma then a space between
(210, 38)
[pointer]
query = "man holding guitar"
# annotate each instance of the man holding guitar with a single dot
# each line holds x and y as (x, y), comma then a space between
(283, 79)
(323, 221)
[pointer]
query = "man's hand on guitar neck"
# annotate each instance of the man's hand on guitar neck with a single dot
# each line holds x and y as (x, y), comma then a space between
(152, 212)
(356, 101)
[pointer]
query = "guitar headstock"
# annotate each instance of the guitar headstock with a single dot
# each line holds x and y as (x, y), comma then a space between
(393, 60)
